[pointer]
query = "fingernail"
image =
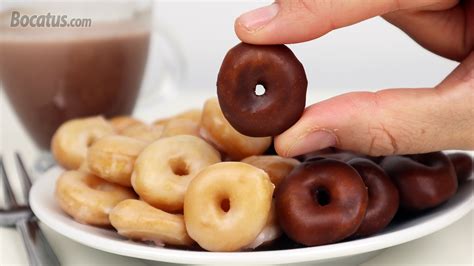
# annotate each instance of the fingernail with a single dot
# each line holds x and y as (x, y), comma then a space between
(313, 141)
(255, 19)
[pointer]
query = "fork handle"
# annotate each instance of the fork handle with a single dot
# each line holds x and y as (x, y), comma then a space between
(37, 247)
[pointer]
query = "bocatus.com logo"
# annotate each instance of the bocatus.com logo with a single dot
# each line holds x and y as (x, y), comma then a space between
(47, 20)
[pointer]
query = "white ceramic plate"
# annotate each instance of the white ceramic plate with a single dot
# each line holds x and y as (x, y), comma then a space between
(48, 211)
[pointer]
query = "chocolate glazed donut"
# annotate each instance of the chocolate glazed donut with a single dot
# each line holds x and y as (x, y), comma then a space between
(274, 67)
(338, 154)
(462, 163)
(321, 202)
(423, 180)
(383, 197)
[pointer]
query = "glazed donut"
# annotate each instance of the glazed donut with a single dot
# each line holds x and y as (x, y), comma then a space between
(112, 158)
(120, 123)
(321, 202)
(164, 169)
(383, 197)
(217, 130)
(87, 198)
(278, 70)
(227, 205)
(192, 114)
(137, 220)
(270, 232)
(71, 140)
(143, 132)
(423, 180)
(275, 166)
(180, 126)
(462, 163)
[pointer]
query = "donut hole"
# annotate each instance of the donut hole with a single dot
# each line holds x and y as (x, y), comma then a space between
(259, 90)
(225, 205)
(321, 196)
(178, 166)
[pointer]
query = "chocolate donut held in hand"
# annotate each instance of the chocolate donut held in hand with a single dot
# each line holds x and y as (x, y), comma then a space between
(423, 180)
(274, 67)
(321, 201)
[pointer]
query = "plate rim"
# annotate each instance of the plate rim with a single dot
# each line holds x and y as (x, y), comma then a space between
(298, 255)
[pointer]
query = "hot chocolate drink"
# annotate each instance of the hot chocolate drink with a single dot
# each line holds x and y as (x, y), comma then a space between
(52, 76)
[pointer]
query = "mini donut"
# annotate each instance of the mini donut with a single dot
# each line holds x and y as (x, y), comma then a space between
(192, 114)
(120, 123)
(217, 130)
(227, 205)
(180, 126)
(138, 220)
(112, 158)
(270, 232)
(143, 132)
(164, 169)
(423, 180)
(275, 166)
(321, 202)
(87, 198)
(71, 140)
(383, 197)
(462, 163)
(278, 70)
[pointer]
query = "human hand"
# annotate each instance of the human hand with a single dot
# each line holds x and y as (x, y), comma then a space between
(390, 121)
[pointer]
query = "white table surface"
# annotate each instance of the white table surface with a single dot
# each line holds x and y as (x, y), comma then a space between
(450, 246)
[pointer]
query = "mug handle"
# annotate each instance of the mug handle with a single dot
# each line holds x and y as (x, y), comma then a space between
(164, 71)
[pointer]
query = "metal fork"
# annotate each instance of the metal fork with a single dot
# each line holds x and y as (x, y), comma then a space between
(37, 247)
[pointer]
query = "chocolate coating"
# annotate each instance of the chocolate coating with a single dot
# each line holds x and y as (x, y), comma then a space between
(423, 180)
(278, 70)
(462, 163)
(344, 156)
(337, 154)
(383, 197)
(321, 202)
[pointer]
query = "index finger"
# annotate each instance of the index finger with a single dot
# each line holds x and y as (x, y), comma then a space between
(292, 21)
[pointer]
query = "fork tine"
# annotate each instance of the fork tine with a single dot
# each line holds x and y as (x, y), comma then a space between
(25, 177)
(10, 200)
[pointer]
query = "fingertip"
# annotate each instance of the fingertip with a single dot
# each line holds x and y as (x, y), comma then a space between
(303, 137)
(281, 146)
(282, 22)
(242, 32)
(284, 141)
(248, 25)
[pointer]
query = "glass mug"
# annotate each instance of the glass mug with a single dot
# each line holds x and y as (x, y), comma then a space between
(66, 59)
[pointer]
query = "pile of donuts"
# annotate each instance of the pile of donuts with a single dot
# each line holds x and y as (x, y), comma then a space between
(210, 179)
(187, 181)
(193, 181)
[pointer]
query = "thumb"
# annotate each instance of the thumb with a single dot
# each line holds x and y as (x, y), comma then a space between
(393, 121)
(291, 21)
